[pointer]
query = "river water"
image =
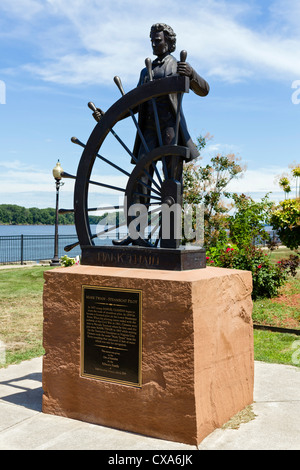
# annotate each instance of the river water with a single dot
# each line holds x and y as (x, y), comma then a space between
(37, 242)
(9, 230)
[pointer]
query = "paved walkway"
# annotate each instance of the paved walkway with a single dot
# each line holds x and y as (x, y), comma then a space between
(24, 427)
(26, 265)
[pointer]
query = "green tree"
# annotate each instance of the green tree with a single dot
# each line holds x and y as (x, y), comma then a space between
(247, 224)
(296, 175)
(13, 214)
(286, 220)
(284, 180)
(208, 185)
(18, 215)
(35, 215)
(285, 184)
(4, 215)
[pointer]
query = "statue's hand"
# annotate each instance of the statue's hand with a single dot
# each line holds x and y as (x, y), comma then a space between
(183, 68)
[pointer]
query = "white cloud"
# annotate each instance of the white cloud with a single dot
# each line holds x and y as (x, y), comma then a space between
(219, 148)
(26, 9)
(259, 182)
(112, 38)
(17, 178)
(92, 69)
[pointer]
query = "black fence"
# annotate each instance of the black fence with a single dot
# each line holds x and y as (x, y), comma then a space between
(21, 248)
(274, 239)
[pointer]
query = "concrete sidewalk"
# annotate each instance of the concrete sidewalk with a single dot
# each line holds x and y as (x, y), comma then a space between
(23, 426)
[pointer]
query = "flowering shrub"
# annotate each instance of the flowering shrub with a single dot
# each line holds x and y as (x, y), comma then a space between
(66, 261)
(290, 264)
(286, 220)
(267, 278)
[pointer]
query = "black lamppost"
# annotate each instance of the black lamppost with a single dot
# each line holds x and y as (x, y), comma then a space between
(57, 172)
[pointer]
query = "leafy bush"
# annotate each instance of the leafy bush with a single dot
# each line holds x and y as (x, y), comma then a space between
(286, 220)
(66, 261)
(208, 185)
(247, 224)
(290, 264)
(267, 278)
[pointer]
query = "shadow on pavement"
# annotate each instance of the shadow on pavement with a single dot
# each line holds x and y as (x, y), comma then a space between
(29, 396)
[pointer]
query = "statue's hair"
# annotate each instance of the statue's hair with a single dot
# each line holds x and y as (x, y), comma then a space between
(168, 32)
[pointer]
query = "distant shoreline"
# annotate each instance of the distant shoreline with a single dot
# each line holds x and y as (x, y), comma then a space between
(46, 225)
(29, 225)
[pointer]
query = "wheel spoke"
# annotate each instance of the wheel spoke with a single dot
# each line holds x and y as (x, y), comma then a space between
(165, 169)
(155, 210)
(73, 245)
(158, 237)
(92, 209)
(75, 140)
(115, 188)
(145, 144)
(123, 145)
(67, 175)
(154, 230)
(78, 142)
(107, 208)
(148, 196)
(146, 173)
(149, 187)
(114, 227)
(113, 165)
(66, 211)
(157, 173)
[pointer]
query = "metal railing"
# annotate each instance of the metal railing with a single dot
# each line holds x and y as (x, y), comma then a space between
(274, 238)
(21, 248)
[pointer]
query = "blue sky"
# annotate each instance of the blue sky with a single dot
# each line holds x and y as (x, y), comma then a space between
(56, 56)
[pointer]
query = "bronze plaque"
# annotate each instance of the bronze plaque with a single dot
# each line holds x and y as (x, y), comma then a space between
(111, 334)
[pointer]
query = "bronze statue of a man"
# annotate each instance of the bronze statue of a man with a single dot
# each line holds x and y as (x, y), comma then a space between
(163, 40)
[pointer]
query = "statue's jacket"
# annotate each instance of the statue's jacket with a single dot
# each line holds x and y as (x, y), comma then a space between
(161, 69)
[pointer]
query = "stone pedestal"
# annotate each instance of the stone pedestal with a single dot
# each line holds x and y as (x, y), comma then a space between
(197, 351)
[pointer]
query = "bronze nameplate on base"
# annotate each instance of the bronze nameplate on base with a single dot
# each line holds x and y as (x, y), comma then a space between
(175, 259)
(111, 334)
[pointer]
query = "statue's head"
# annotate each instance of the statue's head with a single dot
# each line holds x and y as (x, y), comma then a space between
(163, 38)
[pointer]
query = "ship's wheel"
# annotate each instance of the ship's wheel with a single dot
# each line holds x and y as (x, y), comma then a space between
(154, 180)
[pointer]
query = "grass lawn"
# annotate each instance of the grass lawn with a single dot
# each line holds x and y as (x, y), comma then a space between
(279, 348)
(279, 253)
(21, 312)
(282, 311)
(21, 318)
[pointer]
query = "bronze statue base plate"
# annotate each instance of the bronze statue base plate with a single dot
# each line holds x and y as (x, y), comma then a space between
(178, 259)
